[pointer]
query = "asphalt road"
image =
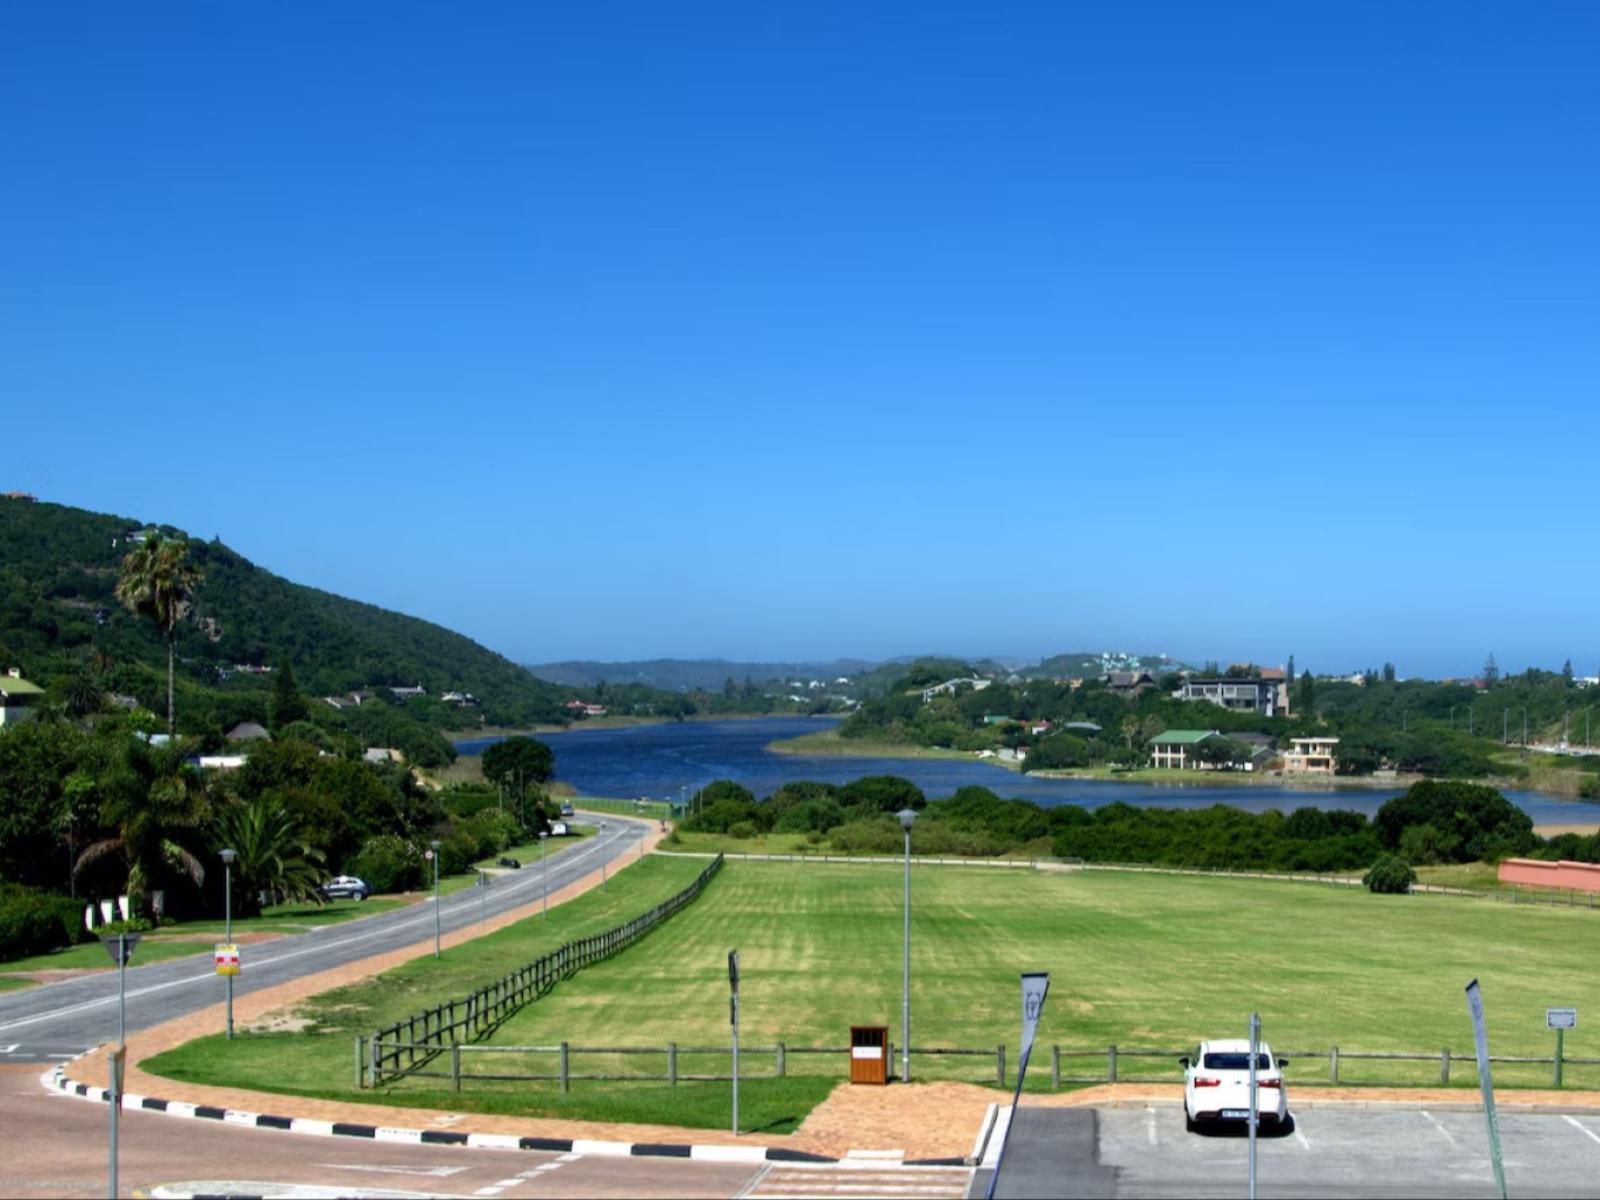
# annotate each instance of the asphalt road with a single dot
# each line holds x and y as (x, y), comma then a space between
(1144, 1152)
(61, 1020)
(58, 1147)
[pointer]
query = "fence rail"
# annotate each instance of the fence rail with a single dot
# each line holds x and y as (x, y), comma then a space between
(1112, 1064)
(409, 1045)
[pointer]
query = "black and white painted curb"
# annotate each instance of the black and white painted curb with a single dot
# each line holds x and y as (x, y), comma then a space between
(56, 1080)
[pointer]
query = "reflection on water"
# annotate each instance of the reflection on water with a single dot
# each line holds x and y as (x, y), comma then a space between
(663, 760)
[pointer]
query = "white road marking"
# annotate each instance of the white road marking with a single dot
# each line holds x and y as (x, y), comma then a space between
(11, 1049)
(1151, 1127)
(1583, 1129)
(268, 960)
(1439, 1125)
(432, 1172)
(1298, 1136)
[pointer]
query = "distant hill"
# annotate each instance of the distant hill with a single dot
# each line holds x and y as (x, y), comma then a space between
(694, 674)
(58, 572)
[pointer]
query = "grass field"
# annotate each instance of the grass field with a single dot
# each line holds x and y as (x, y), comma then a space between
(1141, 961)
(14, 983)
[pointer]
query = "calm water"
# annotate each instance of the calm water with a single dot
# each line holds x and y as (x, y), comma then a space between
(658, 760)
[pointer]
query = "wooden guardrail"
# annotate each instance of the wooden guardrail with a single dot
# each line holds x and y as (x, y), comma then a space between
(410, 1044)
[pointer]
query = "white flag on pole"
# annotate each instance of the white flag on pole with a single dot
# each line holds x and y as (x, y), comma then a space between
(1034, 989)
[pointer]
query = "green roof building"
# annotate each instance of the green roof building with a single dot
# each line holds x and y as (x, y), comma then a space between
(1175, 749)
(17, 698)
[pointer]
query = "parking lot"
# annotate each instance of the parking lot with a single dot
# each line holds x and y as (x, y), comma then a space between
(1329, 1152)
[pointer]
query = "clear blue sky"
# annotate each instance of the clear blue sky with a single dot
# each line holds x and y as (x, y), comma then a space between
(1231, 331)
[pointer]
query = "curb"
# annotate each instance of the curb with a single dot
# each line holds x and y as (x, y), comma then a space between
(56, 1080)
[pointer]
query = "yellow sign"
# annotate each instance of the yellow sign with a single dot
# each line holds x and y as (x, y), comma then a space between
(227, 958)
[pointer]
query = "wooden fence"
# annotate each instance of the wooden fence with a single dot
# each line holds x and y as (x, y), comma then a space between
(409, 1045)
(1062, 1065)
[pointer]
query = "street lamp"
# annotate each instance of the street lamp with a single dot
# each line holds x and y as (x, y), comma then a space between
(544, 876)
(602, 856)
(434, 846)
(227, 857)
(907, 818)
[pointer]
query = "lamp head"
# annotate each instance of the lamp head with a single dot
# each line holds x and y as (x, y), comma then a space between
(228, 856)
(907, 817)
(436, 843)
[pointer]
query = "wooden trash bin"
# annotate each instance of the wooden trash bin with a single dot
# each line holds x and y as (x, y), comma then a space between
(869, 1054)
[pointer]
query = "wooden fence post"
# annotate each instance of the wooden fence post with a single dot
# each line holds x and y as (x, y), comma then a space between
(1333, 1065)
(782, 1065)
(566, 1074)
(1111, 1064)
(1444, 1065)
(455, 1066)
(1055, 1068)
(361, 1062)
(672, 1063)
(1000, 1063)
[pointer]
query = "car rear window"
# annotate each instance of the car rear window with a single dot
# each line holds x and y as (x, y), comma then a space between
(1237, 1061)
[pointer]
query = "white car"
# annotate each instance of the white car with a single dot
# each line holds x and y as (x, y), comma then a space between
(1216, 1086)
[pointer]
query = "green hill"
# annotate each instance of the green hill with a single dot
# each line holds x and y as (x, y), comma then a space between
(58, 612)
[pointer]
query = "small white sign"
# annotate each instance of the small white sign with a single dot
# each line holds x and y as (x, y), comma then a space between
(427, 855)
(1560, 1018)
(872, 1052)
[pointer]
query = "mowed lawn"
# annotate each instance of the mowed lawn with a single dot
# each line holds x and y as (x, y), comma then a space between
(1142, 961)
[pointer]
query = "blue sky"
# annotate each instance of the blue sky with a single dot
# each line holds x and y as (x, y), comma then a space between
(1231, 331)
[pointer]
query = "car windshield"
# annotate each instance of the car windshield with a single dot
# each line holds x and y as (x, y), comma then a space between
(1236, 1060)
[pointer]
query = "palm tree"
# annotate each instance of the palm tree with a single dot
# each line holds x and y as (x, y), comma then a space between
(274, 856)
(158, 582)
(153, 801)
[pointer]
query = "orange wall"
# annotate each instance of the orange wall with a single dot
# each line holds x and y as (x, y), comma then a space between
(1580, 877)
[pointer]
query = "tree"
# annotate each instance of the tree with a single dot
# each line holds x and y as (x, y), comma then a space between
(158, 582)
(274, 856)
(517, 762)
(1305, 696)
(1390, 875)
(287, 704)
(154, 803)
(1388, 672)
(1491, 670)
(1566, 672)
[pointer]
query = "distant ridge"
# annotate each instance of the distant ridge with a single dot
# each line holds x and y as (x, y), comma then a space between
(694, 674)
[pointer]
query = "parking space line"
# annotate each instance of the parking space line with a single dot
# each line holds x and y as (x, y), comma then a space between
(1298, 1136)
(1152, 1125)
(1439, 1125)
(1584, 1129)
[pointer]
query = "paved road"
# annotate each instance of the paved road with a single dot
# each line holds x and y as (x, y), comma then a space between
(61, 1020)
(1330, 1152)
(58, 1148)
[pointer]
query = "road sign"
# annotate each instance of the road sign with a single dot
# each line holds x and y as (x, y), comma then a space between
(1560, 1018)
(227, 957)
(427, 855)
(120, 946)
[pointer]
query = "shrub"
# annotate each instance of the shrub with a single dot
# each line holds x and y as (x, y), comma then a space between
(388, 864)
(1390, 875)
(35, 922)
(742, 830)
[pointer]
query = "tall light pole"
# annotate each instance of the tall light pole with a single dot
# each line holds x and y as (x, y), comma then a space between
(544, 876)
(602, 856)
(907, 819)
(227, 857)
(434, 846)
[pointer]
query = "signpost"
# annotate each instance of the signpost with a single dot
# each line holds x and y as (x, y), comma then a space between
(1481, 1037)
(120, 947)
(1255, 1050)
(1035, 987)
(119, 1058)
(733, 1019)
(1561, 1020)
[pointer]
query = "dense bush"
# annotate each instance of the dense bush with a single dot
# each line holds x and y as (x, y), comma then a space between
(35, 922)
(1472, 823)
(389, 864)
(1217, 837)
(1390, 874)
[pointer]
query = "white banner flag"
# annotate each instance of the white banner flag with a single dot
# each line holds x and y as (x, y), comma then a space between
(1034, 990)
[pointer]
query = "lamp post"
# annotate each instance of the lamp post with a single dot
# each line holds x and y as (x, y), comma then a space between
(907, 818)
(434, 846)
(544, 876)
(602, 856)
(227, 857)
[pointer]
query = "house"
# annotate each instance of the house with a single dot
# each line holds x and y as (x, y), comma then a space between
(247, 731)
(996, 719)
(121, 701)
(28, 496)
(220, 762)
(1260, 696)
(382, 754)
(408, 693)
(1087, 728)
(1311, 756)
(18, 698)
(1175, 749)
(1129, 683)
(1039, 728)
(460, 699)
(952, 686)
(1260, 748)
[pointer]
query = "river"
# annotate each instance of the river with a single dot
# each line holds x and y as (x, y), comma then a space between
(660, 761)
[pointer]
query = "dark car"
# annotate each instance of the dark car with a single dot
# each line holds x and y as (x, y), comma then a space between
(512, 863)
(345, 887)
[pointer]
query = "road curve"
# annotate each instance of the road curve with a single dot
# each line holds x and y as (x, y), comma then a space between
(61, 1020)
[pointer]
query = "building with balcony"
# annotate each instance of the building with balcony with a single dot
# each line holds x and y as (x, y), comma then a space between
(1310, 756)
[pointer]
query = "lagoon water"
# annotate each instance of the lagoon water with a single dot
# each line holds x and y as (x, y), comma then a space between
(659, 760)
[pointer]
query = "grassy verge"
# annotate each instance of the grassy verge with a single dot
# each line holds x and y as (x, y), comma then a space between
(829, 742)
(13, 983)
(653, 809)
(316, 1060)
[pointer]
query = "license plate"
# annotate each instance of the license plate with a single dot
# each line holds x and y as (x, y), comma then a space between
(1235, 1114)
